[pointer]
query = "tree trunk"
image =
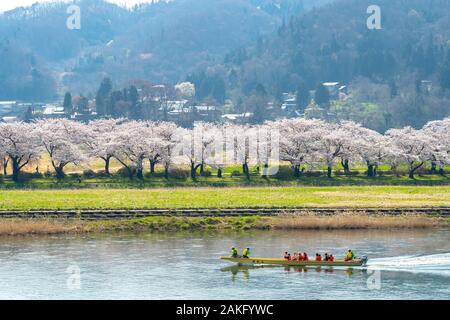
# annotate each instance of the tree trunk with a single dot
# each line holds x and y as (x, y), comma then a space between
(140, 169)
(297, 172)
(265, 170)
(107, 160)
(433, 167)
(15, 170)
(219, 173)
(152, 167)
(329, 170)
(59, 172)
(246, 170)
(346, 166)
(413, 169)
(370, 170)
(166, 171)
(193, 171)
(5, 167)
(441, 170)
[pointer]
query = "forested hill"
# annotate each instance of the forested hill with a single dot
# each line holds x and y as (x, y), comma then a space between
(333, 43)
(159, 42)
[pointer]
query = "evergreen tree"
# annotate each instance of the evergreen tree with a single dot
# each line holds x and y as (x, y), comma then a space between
(444, 76)
(322, 96)
(68, 107)
(101, 99)
(28, 115)
(302, 96)
(136, 107)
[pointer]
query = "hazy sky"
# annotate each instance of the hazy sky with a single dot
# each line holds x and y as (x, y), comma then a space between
(11, 4)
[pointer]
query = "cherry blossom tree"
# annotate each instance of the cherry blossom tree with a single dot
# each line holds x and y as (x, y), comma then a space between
(415, 147)
(170, 136)
(370, 147)
(440, 131)
(244, 139)
(62, 139)
(331, 145)
(132, 146)
(19, 144)
(101, 141)
(298, 141)
(198, 145)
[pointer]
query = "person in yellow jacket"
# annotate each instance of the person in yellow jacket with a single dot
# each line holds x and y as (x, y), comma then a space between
(246, 253)
(350, 255)
(234, 252)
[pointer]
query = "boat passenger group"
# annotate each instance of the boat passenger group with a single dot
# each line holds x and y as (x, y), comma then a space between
(297, 256)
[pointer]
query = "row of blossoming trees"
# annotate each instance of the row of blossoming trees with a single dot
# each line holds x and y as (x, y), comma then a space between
(302, 143)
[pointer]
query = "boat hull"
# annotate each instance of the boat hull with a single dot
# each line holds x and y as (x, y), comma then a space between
(283, 262)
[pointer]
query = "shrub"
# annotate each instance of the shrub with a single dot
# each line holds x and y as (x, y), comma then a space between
(179, 173)
(74, 175)
(28, 175)
(101, 174)
(207, 173)
(89, 173)
(285, 173)
(123, 172)
(314, 173)
(236, 173)
(342, 173)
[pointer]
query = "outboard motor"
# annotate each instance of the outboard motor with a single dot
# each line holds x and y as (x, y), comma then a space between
(364, 260)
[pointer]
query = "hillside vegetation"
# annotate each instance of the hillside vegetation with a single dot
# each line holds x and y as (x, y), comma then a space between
(159, 42)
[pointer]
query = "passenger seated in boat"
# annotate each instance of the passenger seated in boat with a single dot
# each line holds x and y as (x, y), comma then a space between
(326, 257)
(234, 252)
(318, 257)
(287, 255)
(305, 256)
(331, 258)
(295, 256)
(350, 255)
(300, 257)
(246, 253)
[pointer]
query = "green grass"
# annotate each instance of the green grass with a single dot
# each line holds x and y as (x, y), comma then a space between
(179, 224)
(158, 181)
(342, 196)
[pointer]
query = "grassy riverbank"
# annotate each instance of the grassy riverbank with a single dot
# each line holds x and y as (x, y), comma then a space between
(236, 197)
(9, 227)
(229, 179)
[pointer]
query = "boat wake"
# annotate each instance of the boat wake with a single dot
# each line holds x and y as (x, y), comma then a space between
(438, 264)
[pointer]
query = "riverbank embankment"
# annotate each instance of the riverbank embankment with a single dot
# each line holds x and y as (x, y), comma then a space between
(36, 222)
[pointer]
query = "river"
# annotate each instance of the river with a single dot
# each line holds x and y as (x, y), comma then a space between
(403, 264)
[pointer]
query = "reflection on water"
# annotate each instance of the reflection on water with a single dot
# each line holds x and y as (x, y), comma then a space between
(245, 270)
(406, 264)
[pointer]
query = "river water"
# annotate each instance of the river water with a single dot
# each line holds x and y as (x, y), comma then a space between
(403, 264)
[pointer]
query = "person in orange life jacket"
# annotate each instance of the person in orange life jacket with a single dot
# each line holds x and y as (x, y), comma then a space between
(300, 257)
(305, 256)
(295, 256)
(331, 258)
(318, 257)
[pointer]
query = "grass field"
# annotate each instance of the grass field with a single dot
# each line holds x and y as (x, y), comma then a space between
(233, 197)
(158, 181)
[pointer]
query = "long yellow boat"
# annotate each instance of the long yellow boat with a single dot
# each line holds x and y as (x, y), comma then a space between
(358, 262)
